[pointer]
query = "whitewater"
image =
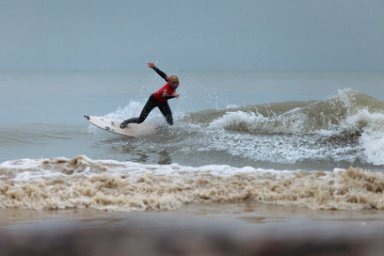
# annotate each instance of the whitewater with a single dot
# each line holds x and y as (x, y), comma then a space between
(125, 186)
(289, 139)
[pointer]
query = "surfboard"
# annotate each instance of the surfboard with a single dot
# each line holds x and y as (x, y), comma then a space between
(113, 126)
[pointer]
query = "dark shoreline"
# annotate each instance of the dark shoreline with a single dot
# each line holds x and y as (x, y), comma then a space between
(231, 229)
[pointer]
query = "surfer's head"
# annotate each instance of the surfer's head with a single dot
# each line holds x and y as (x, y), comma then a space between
(173, 81)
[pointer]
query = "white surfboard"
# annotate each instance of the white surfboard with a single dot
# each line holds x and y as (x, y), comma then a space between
(113, 125)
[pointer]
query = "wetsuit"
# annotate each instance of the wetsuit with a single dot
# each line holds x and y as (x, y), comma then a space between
(156, 100)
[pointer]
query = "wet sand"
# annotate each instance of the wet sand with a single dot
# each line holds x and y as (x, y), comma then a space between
(230, 229)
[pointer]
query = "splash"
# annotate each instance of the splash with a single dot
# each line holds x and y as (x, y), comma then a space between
(346, 128)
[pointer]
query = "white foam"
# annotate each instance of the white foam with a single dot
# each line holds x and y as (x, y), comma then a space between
(131, 110)
(291, 122)
(372, 138)
(235, 118)
(21, 164)
(126, 186)
(36, 175)
(373, 144)
(36, 168)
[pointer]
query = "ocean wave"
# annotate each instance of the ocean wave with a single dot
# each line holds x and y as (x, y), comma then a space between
(348, 119)
(337, 112)
(80, 182)
(346, 128)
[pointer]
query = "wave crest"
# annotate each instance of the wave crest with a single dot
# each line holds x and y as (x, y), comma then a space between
(337, 112)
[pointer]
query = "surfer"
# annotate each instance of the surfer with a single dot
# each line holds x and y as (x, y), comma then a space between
(158, 99)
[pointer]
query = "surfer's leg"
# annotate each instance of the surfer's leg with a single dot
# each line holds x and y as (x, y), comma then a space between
(149, 106)
(166, 111)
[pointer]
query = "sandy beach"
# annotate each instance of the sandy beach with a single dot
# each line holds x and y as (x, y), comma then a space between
(229, 229)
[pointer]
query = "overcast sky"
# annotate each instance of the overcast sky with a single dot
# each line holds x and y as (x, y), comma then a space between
(267, 35)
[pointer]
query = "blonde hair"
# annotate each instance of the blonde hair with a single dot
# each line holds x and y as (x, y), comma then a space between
(173, 79)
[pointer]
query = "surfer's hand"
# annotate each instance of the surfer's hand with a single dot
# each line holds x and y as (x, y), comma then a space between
(151, 65)
(176, 95)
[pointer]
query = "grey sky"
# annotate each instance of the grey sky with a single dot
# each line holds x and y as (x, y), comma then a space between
(333, 35)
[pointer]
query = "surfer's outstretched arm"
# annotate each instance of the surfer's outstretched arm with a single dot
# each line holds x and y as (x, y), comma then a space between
(158, 71)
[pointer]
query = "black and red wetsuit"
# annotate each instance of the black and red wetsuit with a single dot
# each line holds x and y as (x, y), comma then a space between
(157, 99)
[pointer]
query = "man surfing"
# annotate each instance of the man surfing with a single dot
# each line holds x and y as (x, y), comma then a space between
(158, 99)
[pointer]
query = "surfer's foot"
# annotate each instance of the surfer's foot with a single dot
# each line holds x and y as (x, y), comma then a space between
(123, 125)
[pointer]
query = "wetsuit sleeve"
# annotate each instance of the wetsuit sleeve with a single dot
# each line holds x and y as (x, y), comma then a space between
(161, 73)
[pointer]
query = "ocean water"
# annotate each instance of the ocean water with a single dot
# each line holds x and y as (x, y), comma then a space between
(310, 140)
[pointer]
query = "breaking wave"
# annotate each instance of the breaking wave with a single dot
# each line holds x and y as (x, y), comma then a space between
(349, 119)
(61, 183)
(347, 110)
